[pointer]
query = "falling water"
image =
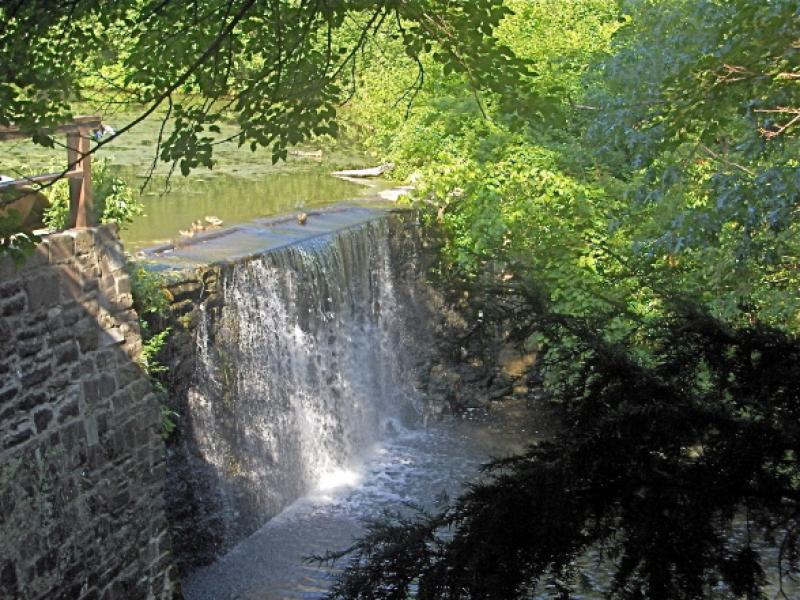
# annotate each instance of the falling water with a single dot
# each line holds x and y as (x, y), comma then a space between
(303, 366)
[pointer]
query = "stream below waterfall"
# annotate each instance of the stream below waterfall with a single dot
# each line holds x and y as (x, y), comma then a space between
(418, 467)
(408, 467)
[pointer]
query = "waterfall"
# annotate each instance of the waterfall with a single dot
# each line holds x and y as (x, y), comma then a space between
(303, 365)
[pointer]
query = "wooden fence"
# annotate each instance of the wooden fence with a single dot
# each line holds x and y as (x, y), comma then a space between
(79, 162)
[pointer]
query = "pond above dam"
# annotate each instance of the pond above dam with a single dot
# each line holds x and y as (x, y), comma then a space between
(236, 200)
(243, 185)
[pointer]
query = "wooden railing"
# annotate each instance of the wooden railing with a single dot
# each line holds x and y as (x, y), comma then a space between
(79, 163)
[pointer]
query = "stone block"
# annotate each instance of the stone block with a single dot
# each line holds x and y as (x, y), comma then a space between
(83, 368)
(123, 302)
(16, 438)
(106, 359)
(133, 348)
(58, 381)
(107, 235)
(84, 240)
(87, 334)
(5, 334)
(9, 582)
(96, 458)
(62, 247)
(181, 308)
(102, 423)
(71, 315)
(111, 447)
(141, 388)
(128, 316)
(43, 291)
(29, 347)
(13, 306)
(9, 288)
(69, 410)
(32, 400)
(59, 335)
(187, 290)
(92, 434)
(122, 399)
(120, 501)
(9, 394)
(31, 330)
(111, 337)
(123, 284)
(97, 392)
(7, 413)
(72, 438)
(108, 289)
(91, 305)
(66, 353)
(91, 284)
(71, 280)
(89, 265)
(36, 376)
(42, 419)
(112, 259)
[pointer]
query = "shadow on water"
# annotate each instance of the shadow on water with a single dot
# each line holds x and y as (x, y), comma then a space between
(419, 467)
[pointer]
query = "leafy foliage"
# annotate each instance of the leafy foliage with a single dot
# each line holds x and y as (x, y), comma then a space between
(151, 304)
(643, 227)
(13, 242)
(114, 200)
(278, 68)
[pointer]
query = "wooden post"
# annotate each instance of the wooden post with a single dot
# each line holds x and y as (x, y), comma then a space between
(80, 189)
(79, 161)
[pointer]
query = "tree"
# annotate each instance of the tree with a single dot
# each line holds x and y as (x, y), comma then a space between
(279, 68)
(646, 233)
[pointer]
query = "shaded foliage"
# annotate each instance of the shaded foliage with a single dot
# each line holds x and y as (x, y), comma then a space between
(645, 234)
(653, 470)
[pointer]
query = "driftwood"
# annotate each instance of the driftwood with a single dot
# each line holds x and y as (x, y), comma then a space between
(372, 172)
(315, 154)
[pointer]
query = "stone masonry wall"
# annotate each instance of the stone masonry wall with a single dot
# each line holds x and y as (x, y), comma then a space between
(81, 458)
